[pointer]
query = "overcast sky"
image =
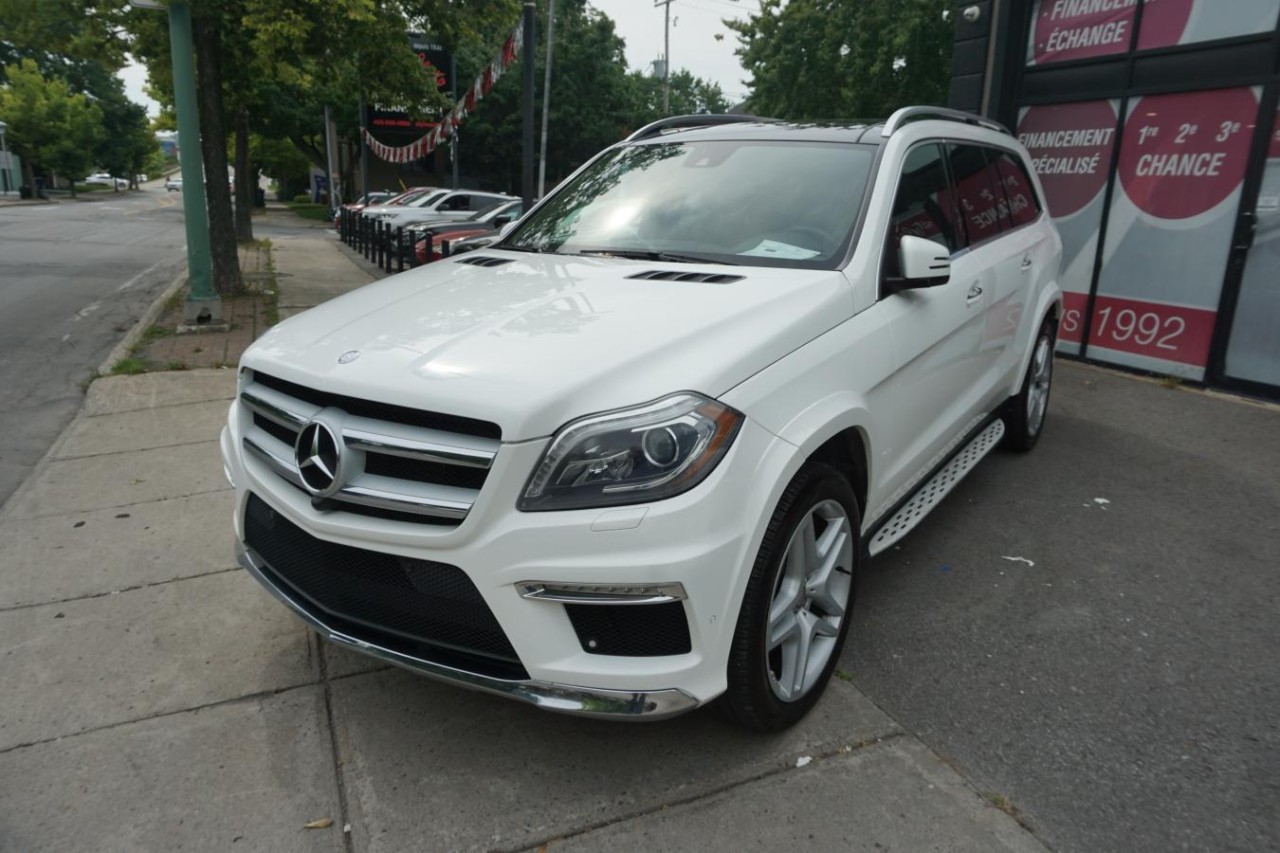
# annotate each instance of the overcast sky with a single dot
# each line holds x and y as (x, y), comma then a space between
(694, 26)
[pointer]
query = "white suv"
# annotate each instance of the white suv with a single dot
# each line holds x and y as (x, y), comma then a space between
(628, 459)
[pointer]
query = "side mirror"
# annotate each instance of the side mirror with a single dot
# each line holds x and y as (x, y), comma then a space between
(502, 220)
(923, 262)
(506, 229)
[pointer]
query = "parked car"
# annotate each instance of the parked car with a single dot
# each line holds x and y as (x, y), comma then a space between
(173, 183)
(628, 460)
(485, 222)
(361, 203)
(454, 204)
(470, 244)
(108, 180)
(409, 198)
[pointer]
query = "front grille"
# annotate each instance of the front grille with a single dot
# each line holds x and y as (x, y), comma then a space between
(381, 411)
(640, 630)
(405, 466)
(425, 609)
(422, 471)
(275, 430)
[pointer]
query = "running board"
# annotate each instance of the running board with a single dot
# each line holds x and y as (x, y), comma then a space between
(932, 492)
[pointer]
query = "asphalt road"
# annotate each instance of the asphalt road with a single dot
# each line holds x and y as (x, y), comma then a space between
(1092, 631)
(74, 277)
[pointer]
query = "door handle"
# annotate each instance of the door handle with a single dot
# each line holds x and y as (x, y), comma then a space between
(975, 293)
(1026, 263)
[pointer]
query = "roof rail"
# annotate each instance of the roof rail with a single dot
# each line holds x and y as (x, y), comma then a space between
(910, 114)
(684, 122)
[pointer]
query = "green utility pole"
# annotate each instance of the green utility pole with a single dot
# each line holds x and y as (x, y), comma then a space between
(203, 304)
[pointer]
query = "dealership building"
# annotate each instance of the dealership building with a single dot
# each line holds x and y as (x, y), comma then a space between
(1153, 127)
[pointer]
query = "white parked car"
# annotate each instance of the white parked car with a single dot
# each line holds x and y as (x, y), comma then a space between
(109, 180)
(454, 204)
(173, 183)
(627, 460)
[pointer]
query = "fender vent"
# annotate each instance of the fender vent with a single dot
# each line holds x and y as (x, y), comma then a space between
(703, 277)
(485, 261)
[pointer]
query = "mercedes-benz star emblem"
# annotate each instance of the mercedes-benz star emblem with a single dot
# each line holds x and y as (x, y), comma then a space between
(317, 453)
(349, 356)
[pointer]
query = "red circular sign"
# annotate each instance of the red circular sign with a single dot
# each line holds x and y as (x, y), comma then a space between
(1079, 29)
(1163, 22)
(1185, 153)
(1070, 147)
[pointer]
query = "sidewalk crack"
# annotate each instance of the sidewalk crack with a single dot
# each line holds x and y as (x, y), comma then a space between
(348, 841)
(11, 607)
(851, 749)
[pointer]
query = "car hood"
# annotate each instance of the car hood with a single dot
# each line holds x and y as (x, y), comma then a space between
(543, 339)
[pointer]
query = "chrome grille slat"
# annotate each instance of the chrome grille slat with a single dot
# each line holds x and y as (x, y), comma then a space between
(413, 490)
(283, 466)
(276, 406)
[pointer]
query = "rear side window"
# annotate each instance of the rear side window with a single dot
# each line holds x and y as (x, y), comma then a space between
(980, 191)
(1024, 207)
(924, 206)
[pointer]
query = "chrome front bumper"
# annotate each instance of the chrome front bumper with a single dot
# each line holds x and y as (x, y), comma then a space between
(563, 698)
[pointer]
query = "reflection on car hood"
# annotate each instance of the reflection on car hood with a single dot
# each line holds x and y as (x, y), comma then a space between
(542, 339)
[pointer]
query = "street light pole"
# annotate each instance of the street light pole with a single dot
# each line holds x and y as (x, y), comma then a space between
(203, 304)
(666, 56)
(546, 99)
(530, 33)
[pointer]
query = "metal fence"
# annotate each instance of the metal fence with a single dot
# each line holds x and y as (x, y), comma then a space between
(391, 248)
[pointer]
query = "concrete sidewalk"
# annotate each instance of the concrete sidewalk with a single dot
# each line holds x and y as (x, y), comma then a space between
(156, 698)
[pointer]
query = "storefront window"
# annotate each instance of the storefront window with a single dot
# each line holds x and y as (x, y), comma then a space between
(1181, 167)
(1171, 22)
(1071, 146)
(1080, 29)
(1254, 350)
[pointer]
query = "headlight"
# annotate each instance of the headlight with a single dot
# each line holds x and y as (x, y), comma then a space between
(631, 456)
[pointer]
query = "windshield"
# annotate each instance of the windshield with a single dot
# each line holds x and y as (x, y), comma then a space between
(770, 203)
(428, 198)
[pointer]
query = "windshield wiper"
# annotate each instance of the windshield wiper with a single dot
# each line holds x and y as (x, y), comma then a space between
(649, 255)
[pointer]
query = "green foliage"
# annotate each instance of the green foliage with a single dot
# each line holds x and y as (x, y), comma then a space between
(822, 59)
(49, 125)
(689, 95)
(62, 35)
(594, 101)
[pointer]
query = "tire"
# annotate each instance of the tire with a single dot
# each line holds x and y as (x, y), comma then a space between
(771, 689)
(1025, 413)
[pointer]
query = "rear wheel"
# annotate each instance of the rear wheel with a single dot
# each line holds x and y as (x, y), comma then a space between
(795, 613)
(1024, 418)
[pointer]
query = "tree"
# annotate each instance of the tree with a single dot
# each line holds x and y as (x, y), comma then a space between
(689, 95)
(832, 59)
(48, 124)
(594, 102)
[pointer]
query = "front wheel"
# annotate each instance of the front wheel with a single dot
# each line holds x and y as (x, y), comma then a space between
(1024, 418)
(795, 613)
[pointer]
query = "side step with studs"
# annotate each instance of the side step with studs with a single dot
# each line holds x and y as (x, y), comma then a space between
(931, 493)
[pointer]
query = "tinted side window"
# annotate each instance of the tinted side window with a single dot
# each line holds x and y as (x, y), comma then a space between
(923, 206)
(980, 192)
(1024, 207)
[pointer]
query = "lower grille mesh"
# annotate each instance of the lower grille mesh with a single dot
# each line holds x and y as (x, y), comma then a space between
(641, 630)
(425, 609)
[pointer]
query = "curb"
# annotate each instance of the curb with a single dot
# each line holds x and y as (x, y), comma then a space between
(121, 350)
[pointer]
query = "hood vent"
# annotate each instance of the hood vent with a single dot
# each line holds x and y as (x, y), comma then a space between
(703, 277)
(485, 261)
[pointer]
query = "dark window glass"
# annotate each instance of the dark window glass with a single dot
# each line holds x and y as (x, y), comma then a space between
(979, 192)
(1024, 207)
(924, 206)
